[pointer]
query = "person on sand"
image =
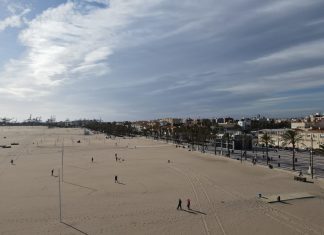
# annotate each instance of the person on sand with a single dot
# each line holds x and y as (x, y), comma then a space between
(179, 204)
(116, 179)
(52, 172)
(92, 159)
(116, 157)
(11, 161)
(188, 204)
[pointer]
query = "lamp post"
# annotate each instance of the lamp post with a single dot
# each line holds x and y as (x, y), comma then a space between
(60, 200)
(215, 143)
(241, 147)
(222, 146)
(62, 160)
(278, 139)
(312, 157)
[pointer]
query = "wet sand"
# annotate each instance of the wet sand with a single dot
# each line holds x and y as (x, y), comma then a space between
(223, 192)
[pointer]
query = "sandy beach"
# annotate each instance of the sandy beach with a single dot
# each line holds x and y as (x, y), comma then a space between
(223, 192)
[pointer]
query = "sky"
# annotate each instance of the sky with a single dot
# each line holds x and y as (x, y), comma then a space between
(140, 60)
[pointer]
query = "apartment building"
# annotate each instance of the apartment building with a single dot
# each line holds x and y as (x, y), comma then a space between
(309, 137)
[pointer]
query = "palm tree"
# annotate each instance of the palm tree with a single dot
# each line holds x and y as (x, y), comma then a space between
(266, 139)
(291, 137)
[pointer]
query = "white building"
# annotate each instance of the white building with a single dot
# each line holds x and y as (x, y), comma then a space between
(244, 123)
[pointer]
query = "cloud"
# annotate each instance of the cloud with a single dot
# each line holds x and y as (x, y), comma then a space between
(15, 20)
(72, 42)
(65, 43)
(305, 51)
(285, 7)
(164, 56)
(105, 2)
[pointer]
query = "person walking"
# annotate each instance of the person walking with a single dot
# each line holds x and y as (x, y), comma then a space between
(116, 179)
(188, 204)
(92, 159)
(179, 204)
(52, 172)
(116, 157)
(11, 161)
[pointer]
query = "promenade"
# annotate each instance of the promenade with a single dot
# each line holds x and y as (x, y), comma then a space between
(285, 160)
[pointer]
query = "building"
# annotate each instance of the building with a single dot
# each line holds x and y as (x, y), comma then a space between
(245, 123)
(309, 137)
(299, 125)
(319, 124)
(172, 121)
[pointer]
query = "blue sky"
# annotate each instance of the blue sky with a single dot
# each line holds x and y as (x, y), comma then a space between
(138, 59)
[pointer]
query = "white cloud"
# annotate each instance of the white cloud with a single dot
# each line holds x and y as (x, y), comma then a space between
(99, 1)
(157, 47)
(280, 6)
(309, 50)
(280, 82)
(300, 75)
(68, 42)
(65, 43)
(14, 21)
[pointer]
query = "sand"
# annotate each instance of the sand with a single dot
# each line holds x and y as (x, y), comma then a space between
(223, 192)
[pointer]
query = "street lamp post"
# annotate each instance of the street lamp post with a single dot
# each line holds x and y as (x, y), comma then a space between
(60, 200)
(244, 146)
(241, 147)
(278, 139)
(312, 157)
(222, 146)
(62, 160)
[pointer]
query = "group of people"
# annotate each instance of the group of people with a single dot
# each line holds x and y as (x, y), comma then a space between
(179, 207)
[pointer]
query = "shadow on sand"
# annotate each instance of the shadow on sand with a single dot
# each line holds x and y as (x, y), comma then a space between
(81, 186)
(121, 183)
(308, 181)
(195, 211)
(286, 203)
(69, 225)
(189, 211)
